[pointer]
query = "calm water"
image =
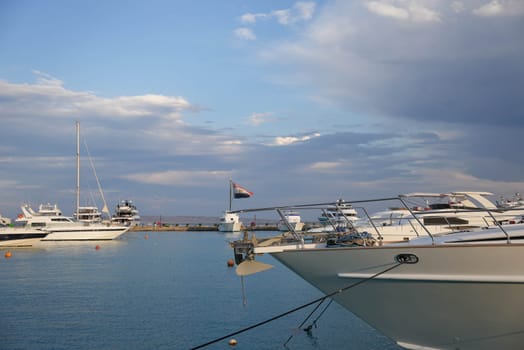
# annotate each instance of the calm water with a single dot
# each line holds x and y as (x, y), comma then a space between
(170, 291)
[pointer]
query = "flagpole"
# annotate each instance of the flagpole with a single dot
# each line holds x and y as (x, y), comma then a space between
(230, 193)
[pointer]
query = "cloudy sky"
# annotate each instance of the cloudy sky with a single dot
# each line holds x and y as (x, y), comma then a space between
(298, 101)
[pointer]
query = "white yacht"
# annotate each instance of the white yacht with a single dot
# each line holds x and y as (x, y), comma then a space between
(11, 236)
(230, 222)
(49, 219)
(291, 220)
(437, 213)
(88, 214)
(126, 214)
(62, 228)
(338, 217)
(459, 290)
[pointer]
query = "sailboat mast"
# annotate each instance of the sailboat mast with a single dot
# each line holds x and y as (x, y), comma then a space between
(77, 167)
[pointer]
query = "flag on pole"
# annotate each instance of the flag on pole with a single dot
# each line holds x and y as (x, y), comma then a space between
(240, 192)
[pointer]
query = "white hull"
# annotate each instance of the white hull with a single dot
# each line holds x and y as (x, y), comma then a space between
(297, 226)
(18, 237)
(230, 227)
(85, 233)
(411, 303)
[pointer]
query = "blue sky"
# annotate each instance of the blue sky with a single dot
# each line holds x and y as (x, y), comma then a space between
(298, 101)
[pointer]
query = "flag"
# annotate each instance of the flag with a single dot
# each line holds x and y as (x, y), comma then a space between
(240, 192)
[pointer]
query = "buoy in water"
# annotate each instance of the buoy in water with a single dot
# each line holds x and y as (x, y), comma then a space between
(230, 263)
(8, 254)
(233, 342)
(146, 237)
(97, 247)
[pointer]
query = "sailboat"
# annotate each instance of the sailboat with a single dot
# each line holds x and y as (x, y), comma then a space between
(61, 228)
(90, 213)
(230, 222)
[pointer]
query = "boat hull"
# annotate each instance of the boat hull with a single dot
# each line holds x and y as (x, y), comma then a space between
(230, 227)
(86, 233)
(411, 304)
(20, 237)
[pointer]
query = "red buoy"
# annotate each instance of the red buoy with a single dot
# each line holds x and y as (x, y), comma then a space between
(230, 263)
(8, 254)
(97, 247)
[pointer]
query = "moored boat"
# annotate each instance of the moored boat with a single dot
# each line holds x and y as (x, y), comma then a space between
(126, 213)
(229, 222)
(290, 221)
(62, 228)
(456, 290)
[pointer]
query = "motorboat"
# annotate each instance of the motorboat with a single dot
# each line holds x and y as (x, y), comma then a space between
(229, 222)
(338, 217)
(437, 213)
(461, 289)
(62, 228)
(88, 214)
(11, 236)
(290, 221)
(19, 237)
(126, 214)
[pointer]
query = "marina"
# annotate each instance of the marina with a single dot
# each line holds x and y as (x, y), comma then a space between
(302, 175)
(138, 293)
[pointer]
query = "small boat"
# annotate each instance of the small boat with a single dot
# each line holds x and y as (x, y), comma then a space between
(456, 290)
(338, 217)
(126, 214)
(229, 222)
(17, 237)
(291, 221)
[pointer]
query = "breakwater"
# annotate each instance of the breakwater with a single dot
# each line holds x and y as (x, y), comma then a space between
(199, 227)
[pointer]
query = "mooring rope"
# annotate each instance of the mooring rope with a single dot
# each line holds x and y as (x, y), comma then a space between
(313, 324)
(305, 320)
(338, 291)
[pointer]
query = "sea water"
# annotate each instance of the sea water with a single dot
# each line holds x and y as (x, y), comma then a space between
(162, 290)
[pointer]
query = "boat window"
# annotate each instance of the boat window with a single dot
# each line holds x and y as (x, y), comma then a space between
(442, 220)
(440, 206)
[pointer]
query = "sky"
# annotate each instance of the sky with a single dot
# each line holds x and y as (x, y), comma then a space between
(297, 101)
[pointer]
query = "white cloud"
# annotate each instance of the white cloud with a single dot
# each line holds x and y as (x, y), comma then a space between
(179, 177)
(387, 10)
(305, 10)
(500, 8)
(403, 10)
(323, 166)
(244, 33)
(49, 96)
(289, 140)
(301, 11)
(250, 18)
(493, 8)
(257, 119)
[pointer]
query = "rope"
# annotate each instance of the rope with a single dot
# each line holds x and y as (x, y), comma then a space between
(308, 328)
(305, 320)
(297, 308)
